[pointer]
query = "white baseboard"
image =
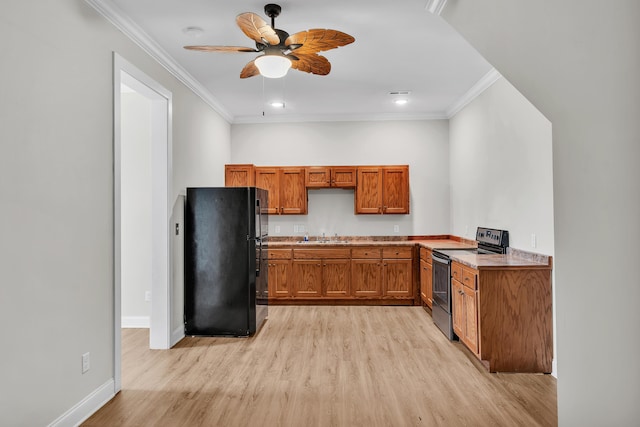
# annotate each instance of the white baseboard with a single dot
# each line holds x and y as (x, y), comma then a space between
(135, 322)
(86, 407)
(176, 335)
(554, 368)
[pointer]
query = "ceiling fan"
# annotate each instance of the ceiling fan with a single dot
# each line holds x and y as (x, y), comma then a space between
(281, 51)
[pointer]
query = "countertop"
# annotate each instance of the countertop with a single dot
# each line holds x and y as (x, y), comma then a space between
(513, 259)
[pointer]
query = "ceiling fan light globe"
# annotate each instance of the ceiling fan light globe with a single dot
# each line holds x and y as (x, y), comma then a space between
(273, 66)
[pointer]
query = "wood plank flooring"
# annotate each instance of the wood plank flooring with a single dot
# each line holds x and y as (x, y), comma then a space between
(323, 366)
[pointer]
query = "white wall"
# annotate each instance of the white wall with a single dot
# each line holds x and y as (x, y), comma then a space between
(423, 145)
(577, 61)
(136, 206)
(56, 188)
(502, 168)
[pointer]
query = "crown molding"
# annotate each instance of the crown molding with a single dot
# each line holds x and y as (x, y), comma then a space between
(299, 118)
(142, 39)
(435, 6)
(483, 84)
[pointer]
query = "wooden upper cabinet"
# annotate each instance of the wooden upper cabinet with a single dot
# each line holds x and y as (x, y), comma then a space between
(369, 191)
(331, 176)
(293, 193)
(239, 176)
(318, 176)
(395, 189)
(382, 190)
(286, 186)
(268, 179)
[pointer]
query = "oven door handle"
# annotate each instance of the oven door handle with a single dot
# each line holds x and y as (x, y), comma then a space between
(436, 258)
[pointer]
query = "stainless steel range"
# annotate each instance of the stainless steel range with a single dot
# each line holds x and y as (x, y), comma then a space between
(490, 241)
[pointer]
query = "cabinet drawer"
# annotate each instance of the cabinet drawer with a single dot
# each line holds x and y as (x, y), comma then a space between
(469, 278)
(366, 253)
(397, 252)
(456, 271)
(279, 253)
(425, 255)
(321, 253)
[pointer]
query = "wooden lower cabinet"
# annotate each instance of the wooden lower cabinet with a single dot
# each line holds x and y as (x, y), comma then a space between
(337, 273)
(504, 316)
(397, 268)
(366, 272)
(397, 277)
(335, 278)
(426, 277)
(279, 273)
(465, 314)
(321, 273)
(308, 278)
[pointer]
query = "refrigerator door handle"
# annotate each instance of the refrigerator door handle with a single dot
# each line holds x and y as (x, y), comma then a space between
(259, 237)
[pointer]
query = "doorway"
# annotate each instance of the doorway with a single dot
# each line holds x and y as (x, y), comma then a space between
(156, 102)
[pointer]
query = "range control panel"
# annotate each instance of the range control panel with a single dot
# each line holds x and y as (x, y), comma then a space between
(492, 236)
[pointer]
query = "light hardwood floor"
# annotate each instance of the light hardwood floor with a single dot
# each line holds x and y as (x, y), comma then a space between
(323, 366)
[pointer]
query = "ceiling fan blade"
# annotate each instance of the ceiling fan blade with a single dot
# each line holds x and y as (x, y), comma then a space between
(257, 29)
(311, 63)
(318, 40)
(249, 70)
(231, 49)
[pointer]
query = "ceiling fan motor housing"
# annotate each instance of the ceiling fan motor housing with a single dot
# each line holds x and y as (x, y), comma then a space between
(272, 10)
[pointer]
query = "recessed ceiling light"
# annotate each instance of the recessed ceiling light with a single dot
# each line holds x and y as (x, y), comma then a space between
(193, 31)
(277, 104)
(400, 97)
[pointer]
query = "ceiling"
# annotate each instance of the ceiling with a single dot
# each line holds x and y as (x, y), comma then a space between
(400, 46)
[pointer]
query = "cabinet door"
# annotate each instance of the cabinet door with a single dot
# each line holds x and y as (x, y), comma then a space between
(336, 278)
(457, 309)
(343, 176)
(239, 176)
(397, 277)
(470, 333)
(293, 192)
(318, 177)
(369, 191)
(395, 193)
(308, 278)
(426, 279)
(366, 278)
(268, 178)
(279, 278)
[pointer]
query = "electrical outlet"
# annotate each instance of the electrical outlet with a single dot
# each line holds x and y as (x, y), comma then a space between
(466, 230)
(147, 296)
(295, 228)
(533, 240)
(277, 229)
(396, 228)
(86, 362)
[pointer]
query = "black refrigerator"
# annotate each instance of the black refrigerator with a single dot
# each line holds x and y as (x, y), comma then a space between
(225, 288)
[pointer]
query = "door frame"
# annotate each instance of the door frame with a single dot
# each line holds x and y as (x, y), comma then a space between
(161, 166)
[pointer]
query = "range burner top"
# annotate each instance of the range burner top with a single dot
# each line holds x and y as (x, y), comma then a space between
(490, 241)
